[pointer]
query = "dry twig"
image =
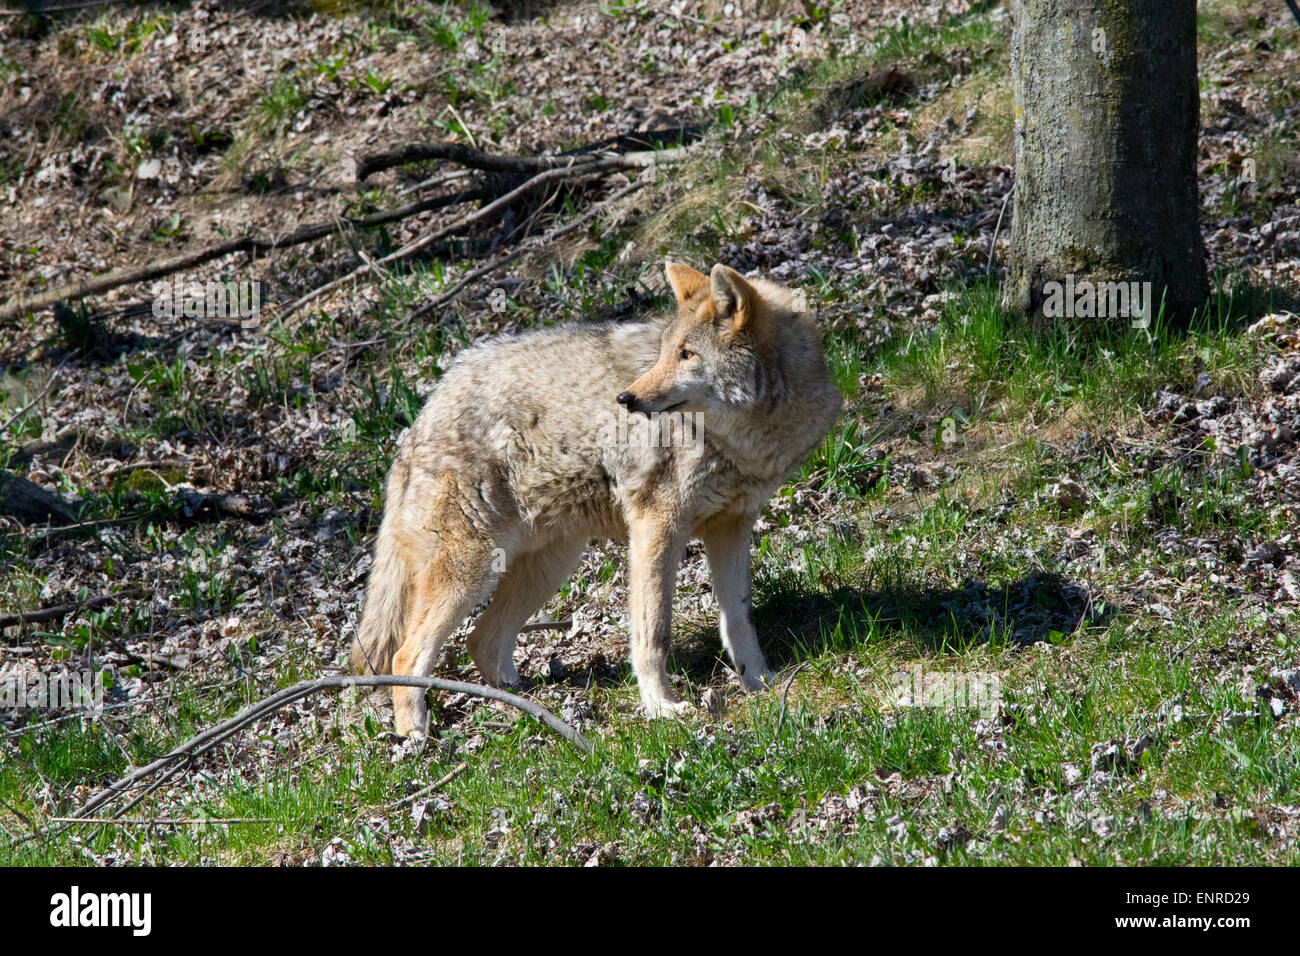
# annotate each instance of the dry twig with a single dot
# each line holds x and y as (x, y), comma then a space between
(438, 784)
(213, 736)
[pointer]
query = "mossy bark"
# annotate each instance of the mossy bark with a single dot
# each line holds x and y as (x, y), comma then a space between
(1107, 115)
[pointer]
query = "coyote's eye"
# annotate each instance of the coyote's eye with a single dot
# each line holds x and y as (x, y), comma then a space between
(687, 354)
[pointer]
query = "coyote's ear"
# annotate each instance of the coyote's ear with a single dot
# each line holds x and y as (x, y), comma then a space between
(685, 281)
(734, 299)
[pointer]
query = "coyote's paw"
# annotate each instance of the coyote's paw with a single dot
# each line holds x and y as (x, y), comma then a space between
(410, 713)
(505, 676)
(755, 680)
(414, 744)
(667, 708)
(409, 732)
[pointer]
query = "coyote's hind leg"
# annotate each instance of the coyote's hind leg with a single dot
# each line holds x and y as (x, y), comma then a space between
(530, 579)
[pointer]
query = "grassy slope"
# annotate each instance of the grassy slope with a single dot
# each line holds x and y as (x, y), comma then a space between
(834, 773)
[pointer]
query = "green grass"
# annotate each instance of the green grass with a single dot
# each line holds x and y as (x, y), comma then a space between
(129, 41)
(994, 361)
(677, 793)
(858, 575)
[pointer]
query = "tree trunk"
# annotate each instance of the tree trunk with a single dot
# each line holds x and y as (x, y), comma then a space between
(1107, 117)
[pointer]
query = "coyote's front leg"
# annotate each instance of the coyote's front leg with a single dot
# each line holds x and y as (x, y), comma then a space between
(655, 550)
(726, 540)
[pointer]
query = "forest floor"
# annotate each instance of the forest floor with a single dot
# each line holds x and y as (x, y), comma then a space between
(1094, 535)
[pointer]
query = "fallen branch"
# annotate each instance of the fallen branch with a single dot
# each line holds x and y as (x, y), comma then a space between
(526, 165)
(152, 659)
(465, 156)
(484, 270)
(594, 167)
(21, 498)
(37, 10)
(438, 784)
(32, 404)
(254, 245)
(19, 814)
(161, 821)
(60, 611)
(31, 537)
(201, 744)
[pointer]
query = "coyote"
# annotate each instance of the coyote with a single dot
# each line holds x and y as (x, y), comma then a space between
(532, 444)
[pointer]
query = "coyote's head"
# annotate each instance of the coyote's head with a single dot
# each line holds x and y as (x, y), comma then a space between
(715, 354)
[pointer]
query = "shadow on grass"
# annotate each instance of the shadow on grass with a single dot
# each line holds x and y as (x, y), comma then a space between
(1240, 298)
(796, 624)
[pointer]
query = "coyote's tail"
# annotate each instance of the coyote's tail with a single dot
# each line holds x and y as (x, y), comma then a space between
(383, 622)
